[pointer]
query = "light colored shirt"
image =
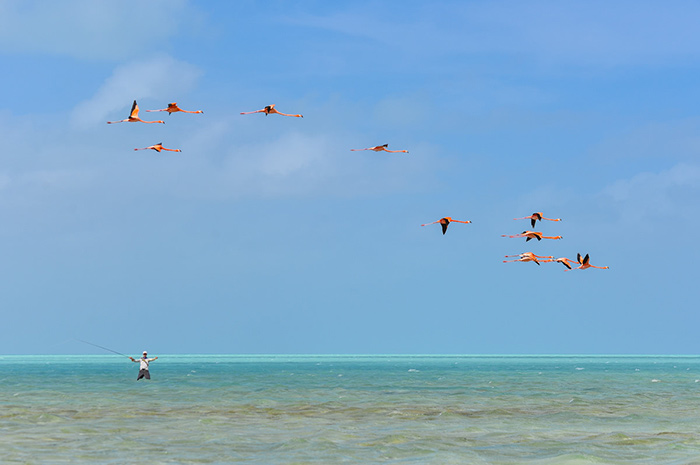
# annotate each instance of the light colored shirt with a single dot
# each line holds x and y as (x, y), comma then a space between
(145, 362)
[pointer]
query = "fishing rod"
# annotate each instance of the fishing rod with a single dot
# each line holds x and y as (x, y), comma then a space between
(105, 348)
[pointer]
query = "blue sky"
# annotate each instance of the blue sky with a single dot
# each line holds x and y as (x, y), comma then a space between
(268, 235)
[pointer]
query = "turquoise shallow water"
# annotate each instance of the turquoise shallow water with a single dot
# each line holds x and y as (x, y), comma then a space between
(351, 409)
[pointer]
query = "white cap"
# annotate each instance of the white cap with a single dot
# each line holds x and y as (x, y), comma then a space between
(144, 352)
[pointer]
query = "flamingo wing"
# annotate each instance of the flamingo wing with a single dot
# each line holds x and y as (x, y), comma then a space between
(444, 227)
(134, 110)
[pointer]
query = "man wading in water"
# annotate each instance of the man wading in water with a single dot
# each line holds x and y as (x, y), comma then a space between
(144, 360)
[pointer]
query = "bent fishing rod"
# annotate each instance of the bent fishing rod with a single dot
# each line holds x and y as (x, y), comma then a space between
(105, 348)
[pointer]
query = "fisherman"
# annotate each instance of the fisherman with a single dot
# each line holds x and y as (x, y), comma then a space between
(144, 360)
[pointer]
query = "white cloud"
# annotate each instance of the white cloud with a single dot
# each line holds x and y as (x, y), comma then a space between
(664, 198)
(675, 139)
(159, 78)
(95, 29)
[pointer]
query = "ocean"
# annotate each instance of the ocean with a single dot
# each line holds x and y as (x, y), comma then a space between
(421, 409)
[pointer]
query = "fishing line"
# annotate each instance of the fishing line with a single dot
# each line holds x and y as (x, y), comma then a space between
(101, 347)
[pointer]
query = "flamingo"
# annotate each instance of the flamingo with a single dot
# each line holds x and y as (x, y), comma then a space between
(158, 147)
(270, 109)
(584, 263)
(530, 255)
(173, 108)
(380, 148)
(563, 260)
(535, 217)
(524, 259)
(134, 117)
(533, 235)
(444, 222)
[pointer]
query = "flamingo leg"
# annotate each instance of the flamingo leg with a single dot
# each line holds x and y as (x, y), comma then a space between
(286, 114)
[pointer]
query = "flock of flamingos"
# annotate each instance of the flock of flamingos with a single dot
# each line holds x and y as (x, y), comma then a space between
(582, 262)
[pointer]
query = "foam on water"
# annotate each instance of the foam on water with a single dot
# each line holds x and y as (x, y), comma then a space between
(351, 409)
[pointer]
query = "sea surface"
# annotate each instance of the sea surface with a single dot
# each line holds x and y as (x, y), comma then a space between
(220, 409)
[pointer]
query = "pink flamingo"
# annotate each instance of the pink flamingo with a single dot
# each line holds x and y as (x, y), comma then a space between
(173, 108)
(268, 110)
(134, 117)
(158, 147)
(563, 260)
(524, 259)
(444, 222)
(533, 235)
(584, 263)
(529, 254)
(537, 216)
(380, 148)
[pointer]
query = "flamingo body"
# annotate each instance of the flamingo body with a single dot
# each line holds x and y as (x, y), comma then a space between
(134, 117)
(528, 235)
(444, 222)
(380, 148)
(535, 217)
(585, 264)
(563, 260)
(173, 108)
(158, 147)
(530, 255)
(524, 259)
(270, 109)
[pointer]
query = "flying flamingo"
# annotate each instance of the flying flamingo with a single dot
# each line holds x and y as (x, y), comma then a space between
(584, 263)
(173, 108)
(270, 109)
(444, 222)
(530, 255)
(158, 147)
(380, 148)
(563, 260)
(533, 235)
(134, 117)
(524, 259)
(537, 216)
